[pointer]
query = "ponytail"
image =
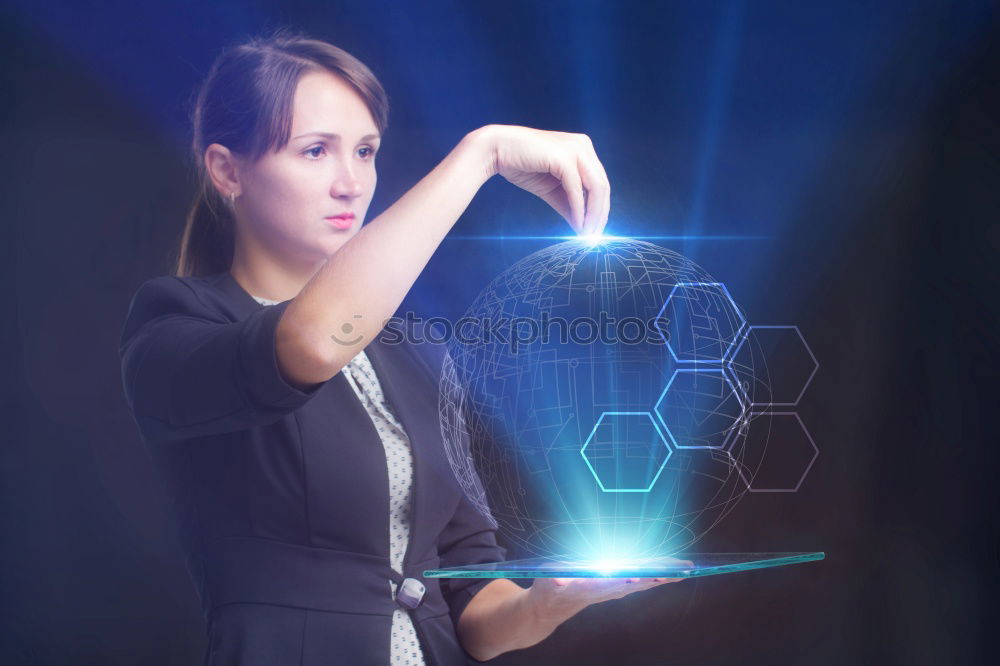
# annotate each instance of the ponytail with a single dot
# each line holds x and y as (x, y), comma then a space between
(207, 243)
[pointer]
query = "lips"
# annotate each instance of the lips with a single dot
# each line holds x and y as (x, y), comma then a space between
(342, 221)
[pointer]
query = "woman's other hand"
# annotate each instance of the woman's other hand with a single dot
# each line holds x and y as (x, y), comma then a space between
(559, 167)
(564, 597)
(504, 616)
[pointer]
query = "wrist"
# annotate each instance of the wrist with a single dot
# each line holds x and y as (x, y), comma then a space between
(480, 146)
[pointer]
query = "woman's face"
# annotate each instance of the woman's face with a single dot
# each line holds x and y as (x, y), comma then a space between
(289, 199)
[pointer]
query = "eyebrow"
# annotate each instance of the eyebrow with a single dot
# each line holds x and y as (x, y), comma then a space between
(332, 137)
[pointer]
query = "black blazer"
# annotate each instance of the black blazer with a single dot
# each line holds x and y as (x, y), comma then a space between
(281, 495)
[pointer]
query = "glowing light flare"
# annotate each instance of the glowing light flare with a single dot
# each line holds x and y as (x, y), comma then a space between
(593, 240)
(609, 566)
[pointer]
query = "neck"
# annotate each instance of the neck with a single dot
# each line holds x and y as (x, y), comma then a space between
(266, 275)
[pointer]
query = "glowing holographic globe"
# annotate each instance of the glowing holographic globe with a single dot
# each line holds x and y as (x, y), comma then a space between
(586, 403)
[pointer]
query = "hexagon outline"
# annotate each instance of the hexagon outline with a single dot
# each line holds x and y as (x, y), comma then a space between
(736, 334)
(593, 472)
(805, 344)
(729, 436)
(739, 468)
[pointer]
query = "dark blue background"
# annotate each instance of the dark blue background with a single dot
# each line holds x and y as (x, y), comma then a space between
(856, 144)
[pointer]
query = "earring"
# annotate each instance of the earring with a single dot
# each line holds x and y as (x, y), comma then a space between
(232, 198)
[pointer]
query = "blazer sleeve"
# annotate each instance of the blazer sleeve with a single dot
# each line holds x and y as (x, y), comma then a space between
(188, 371)
(469, 538)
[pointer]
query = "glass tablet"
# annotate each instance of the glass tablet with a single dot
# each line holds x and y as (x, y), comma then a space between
(702, 564)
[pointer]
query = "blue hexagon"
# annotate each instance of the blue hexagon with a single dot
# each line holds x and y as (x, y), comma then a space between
(626, 452)
(700, 322)
(700, 408)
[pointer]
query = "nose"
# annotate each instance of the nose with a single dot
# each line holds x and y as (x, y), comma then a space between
(346, 184)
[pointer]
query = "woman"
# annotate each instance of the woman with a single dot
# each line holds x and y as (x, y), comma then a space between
(302, 453)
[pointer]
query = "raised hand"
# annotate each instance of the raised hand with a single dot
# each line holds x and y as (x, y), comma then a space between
(559, 167)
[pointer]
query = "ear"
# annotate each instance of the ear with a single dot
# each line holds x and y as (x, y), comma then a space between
(223, 167)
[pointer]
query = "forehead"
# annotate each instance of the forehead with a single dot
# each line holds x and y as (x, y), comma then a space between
(324, 102)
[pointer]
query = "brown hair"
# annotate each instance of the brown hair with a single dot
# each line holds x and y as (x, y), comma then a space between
(245, 104)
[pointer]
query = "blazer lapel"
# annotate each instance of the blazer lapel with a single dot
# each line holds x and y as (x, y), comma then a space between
(242, 302)
(413, 398)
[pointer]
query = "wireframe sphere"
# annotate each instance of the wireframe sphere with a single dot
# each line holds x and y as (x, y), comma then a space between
(555, 408)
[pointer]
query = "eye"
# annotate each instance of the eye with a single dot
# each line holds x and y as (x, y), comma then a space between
(366, 152)
(311, 151)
